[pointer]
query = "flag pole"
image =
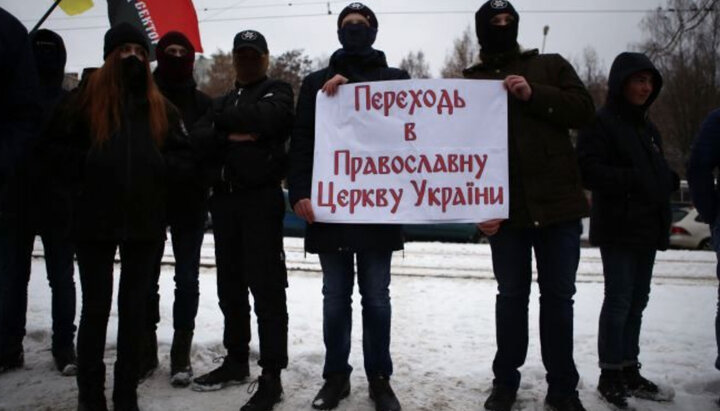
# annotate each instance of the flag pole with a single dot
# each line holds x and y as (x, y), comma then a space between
(45, 16)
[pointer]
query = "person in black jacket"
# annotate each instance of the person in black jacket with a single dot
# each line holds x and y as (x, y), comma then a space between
(546, 99)
(701, 171)
(20, 116)
(47, 209)
(186, 214)
(338, 245)
(244, 149)
(119, 145)
(622, 162)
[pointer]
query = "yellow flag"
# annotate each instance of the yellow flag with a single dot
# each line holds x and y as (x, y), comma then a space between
(73, 7)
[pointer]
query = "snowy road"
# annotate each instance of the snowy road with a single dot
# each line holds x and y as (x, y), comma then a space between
(443, 336)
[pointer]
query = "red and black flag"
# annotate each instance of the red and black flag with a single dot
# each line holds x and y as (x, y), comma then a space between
(156, 17)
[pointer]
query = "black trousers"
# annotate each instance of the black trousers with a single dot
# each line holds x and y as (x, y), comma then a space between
(96, 262)
(247, 226)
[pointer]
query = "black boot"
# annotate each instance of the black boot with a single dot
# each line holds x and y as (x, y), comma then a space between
(149, 357)
(233, 371)
(640, 387)
(94, 402)
(501, 398)
(569, 403)
(11, 362)
(612, 388)
(335, 388)
(269, 392)
(382, 394)
(180, 369)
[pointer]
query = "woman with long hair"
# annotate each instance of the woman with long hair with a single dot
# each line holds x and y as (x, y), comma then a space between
(121, 143)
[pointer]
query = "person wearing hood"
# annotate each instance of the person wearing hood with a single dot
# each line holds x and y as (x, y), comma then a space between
(118, 145)
(545, 100)
(47, 209)
(621, 159)
(701, 171)
(186, 215)
(242, 144)
(338, 245)
(21, 114)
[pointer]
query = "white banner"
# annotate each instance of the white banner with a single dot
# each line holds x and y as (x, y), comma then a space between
(411, 151)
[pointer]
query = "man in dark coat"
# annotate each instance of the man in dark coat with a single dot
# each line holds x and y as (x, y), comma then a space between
(186, 214)
(20, 116)
(339, 244)
(47, 208)
(703, 164)
(546, 98)
(243, 142)
(622, 162)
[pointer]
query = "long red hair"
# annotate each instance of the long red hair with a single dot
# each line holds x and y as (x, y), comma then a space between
(102, 101)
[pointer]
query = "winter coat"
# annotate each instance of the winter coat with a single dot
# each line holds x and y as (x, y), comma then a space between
(120, 187)
(49, 202)
(188, 198)
(263, 108)
(545, 184)
(322, 237)
(20, 109)
(622, 162)
(704, 161)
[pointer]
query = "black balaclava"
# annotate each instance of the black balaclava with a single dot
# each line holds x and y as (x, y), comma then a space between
(173, 69)
(134, 71)
(357, 38)
(50, 57)
(496, 39)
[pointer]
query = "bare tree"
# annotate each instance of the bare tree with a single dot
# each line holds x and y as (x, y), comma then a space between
(465, 52)
(415, 65)
(590, 70)
(220, 76)
(291, 66)
(684, 43)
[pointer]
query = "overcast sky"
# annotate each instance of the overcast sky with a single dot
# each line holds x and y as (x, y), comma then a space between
(610, 26)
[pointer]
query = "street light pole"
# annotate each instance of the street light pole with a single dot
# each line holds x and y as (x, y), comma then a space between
(546, 29)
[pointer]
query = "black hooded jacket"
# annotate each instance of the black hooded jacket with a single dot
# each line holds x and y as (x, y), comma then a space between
(621, 160)
(188, 197)
(321, 237)
(20, 109)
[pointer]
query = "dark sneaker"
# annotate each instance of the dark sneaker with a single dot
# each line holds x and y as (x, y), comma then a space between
(98, 405)
(231, 372)
(335, 388)
(501, 398)
(382, 394)
(269, 392)
(571, 403)
(12, 362)
(181, 372)
(640, 387)
(611, 386)
(66, 361)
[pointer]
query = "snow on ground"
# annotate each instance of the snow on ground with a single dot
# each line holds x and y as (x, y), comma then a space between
(443, 336)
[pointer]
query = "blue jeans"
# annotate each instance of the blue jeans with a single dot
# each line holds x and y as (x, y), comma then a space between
(557, 252)
(373, 272)
(715, 228)
(627, 273)
(187, 237)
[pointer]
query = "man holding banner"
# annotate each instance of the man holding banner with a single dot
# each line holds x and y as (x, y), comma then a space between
(338, 245)
(546, 98)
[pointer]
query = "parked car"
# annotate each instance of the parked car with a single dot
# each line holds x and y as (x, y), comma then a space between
(688, 230)
(449, 232)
